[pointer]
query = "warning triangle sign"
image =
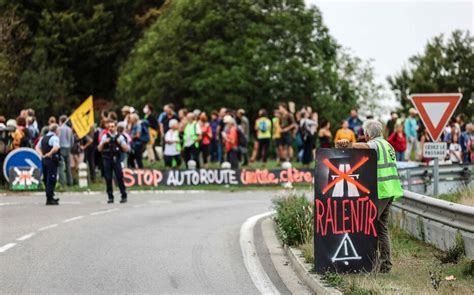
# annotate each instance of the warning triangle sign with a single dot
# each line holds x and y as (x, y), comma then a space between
(435, 110)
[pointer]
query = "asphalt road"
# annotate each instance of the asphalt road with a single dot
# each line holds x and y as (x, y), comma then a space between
(174, 242)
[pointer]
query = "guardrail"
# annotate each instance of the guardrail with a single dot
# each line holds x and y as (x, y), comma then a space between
(423, 175)
(435, 221)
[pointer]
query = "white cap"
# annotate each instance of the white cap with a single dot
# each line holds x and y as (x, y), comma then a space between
(228, 119)
(172, 122)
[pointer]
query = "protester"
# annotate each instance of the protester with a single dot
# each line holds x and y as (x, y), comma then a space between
(21, 136)
(424, 138)
(172, 149)
(230, 137)
(470, 141)
(399, 142)
(388, 185)
(325, 135)
(49, 150)
(390, 128)
(192, 137)
(66, 140)
(244, 124)
(288, 126)
(220, 129)
(411, 128)
(139, 139)
(308, 127)
(345, 133)
(112, 145)
(152, 122)
(165, 118)
(263, 129)
(454, 150)
(214, 123)
(206, 138)
(355, 123)
(276, 134)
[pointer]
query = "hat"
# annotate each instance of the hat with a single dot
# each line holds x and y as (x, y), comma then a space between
(412, 111)
(172, 122)
(11, 123)
(228, 119)
(241, 111)
(126, 109)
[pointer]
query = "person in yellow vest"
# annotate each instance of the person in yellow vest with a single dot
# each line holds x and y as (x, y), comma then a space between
(388, 184)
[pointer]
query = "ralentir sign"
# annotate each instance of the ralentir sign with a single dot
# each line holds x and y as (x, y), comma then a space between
(345, 236)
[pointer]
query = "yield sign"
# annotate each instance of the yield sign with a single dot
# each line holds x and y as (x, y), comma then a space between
(435, 110)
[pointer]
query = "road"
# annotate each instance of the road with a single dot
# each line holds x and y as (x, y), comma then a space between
(181, 242)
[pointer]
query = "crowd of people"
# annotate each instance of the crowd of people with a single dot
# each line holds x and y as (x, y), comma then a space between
(194, 138)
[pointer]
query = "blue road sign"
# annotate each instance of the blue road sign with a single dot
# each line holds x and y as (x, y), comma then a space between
(22, 157)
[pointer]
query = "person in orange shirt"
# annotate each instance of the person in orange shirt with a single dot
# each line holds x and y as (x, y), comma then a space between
(345, 133)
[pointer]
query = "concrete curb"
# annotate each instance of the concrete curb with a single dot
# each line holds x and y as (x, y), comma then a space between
(303, 269)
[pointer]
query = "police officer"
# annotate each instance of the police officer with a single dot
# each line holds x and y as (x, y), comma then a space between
(388, 184)
(48, 147)
(112, 145)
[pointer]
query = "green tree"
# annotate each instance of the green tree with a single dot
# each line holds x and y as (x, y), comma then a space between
(55, 53)
(445, 66)
(234, 53)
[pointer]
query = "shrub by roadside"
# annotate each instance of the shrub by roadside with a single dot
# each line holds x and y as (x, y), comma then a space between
(418, 268)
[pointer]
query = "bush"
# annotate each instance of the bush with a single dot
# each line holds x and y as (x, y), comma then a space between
(294, 218)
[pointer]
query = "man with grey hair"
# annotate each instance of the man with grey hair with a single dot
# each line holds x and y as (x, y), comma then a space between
(66, 140)
(192, 137)
(388, 184)
(48, 148)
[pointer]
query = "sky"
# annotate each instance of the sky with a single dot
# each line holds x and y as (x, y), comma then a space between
(389, 32)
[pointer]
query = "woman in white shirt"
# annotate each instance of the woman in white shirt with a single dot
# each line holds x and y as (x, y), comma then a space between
(172, 150)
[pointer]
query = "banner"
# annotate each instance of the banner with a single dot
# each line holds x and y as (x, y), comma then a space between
(155, 178)
(83, 117)
(345, 215)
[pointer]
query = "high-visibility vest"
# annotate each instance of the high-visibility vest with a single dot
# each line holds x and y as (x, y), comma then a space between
(388, 181)
(190, 130)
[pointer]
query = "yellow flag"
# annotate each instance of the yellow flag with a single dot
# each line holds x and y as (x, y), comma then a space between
(83, 118)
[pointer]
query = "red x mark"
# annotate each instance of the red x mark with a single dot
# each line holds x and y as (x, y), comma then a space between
(345, 176)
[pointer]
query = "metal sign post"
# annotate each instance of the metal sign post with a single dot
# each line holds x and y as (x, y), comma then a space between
(435, 150)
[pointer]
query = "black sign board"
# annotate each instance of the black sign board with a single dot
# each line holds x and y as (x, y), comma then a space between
(345, 236)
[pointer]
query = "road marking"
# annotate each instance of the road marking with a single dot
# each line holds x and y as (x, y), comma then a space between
(48, 227)
(139, 205)
(6, 204)
(25, 237)
(249, 254)
(70, 203)
(6, 247)
(104, 212)
(72, 219)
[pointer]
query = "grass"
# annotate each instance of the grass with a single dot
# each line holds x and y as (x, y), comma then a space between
(413, 261)
(463, 196)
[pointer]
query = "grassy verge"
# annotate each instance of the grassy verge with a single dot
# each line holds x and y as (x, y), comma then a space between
(463, 196)
(413, 260)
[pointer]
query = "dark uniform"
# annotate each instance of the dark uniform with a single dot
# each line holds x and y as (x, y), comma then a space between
(112, 158)
(50, 166)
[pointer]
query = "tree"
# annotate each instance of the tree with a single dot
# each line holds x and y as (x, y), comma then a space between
(55, 53)
(446, 66)
(212, 53)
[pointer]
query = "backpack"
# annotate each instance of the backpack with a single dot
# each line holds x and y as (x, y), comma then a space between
(144, 132)
(262, 126)
(243, 140)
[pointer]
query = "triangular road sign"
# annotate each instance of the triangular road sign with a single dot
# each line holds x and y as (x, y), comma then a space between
(435, 110)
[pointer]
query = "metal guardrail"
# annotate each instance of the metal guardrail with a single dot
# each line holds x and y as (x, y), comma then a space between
(423, 175)
(435, 221)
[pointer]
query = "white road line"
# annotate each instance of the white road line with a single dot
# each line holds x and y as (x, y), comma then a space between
(6, 247)
(26, 237)
(104, 212)
(139, 205)
(249, 254)
(48, 227)
(70, 203)
(72, 219)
